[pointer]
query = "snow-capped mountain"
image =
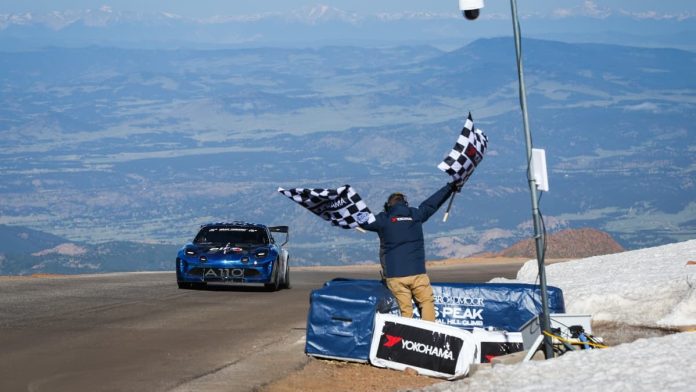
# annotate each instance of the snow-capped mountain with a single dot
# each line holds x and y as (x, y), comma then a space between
(321, 24)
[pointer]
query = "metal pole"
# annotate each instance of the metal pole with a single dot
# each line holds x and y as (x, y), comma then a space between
(545, 319)
(449, 206)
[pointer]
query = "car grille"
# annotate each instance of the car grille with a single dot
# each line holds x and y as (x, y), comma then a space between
(242, 272)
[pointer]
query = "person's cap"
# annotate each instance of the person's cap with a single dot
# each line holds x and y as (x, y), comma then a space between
(395, 197)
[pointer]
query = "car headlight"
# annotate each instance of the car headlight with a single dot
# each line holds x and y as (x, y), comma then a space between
(260, 254)
(190, 252)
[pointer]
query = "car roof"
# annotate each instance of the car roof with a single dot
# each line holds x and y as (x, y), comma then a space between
(233, 223)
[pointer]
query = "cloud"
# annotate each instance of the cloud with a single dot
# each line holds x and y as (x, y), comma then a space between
(588, 8)
(643, 107)
(591, 9)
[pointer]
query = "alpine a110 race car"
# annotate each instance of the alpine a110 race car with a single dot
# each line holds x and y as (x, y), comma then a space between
(234, 252)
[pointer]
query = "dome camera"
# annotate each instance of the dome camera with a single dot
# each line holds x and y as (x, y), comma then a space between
(470, 8)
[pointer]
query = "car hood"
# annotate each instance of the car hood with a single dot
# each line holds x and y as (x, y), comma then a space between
(214, 251)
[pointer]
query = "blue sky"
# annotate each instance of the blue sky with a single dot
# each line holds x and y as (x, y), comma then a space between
(203, 8)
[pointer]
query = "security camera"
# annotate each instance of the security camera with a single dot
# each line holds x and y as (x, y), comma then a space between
(470, 8)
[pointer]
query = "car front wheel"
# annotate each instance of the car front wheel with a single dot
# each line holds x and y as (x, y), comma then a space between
(274, 284)
(286, 281)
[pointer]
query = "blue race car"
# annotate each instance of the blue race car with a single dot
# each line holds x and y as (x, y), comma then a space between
(234, 252)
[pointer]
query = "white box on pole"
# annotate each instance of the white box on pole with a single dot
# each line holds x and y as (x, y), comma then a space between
(539, 169)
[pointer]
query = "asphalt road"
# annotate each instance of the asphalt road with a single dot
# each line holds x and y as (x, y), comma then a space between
(139, 332)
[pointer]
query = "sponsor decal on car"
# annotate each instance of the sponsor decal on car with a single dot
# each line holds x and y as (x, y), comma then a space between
(241, 229)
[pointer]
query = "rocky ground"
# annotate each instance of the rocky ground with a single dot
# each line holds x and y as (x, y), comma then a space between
(319, 375)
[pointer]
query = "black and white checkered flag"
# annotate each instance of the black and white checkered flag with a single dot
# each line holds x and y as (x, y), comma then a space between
(466, 154)
(343, 207)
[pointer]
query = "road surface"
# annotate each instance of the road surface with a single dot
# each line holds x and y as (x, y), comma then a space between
(139, 332)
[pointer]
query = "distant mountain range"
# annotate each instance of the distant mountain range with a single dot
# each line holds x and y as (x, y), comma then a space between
(322, 25)
(132, 146)
(25, 251)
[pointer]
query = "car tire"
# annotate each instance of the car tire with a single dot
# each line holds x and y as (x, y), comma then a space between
(274, 284)
(181, 284)
(286, 281)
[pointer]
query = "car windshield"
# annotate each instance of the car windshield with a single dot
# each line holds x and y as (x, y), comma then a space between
(231, 235)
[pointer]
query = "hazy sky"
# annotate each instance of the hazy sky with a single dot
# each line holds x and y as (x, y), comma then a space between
(203, 8)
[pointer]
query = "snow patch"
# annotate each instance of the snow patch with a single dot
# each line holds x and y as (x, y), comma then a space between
(656, 364)
(66, 249)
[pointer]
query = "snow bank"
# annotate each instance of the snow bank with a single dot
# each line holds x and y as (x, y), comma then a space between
(653, 287)
(659, 364)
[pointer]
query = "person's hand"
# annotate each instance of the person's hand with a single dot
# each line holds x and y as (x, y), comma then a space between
(457, 185)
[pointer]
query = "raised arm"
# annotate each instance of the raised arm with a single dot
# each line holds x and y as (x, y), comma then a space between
(428, 207)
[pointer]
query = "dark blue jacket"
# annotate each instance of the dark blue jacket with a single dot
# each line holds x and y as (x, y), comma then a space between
(400, 231)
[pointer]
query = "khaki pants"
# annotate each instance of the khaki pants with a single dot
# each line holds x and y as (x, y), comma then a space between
(417, 287)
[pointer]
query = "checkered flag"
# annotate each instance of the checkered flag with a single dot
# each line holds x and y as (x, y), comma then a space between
(343, 207)
(466, 154)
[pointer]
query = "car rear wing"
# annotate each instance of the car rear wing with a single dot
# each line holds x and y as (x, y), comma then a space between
(281, 229)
